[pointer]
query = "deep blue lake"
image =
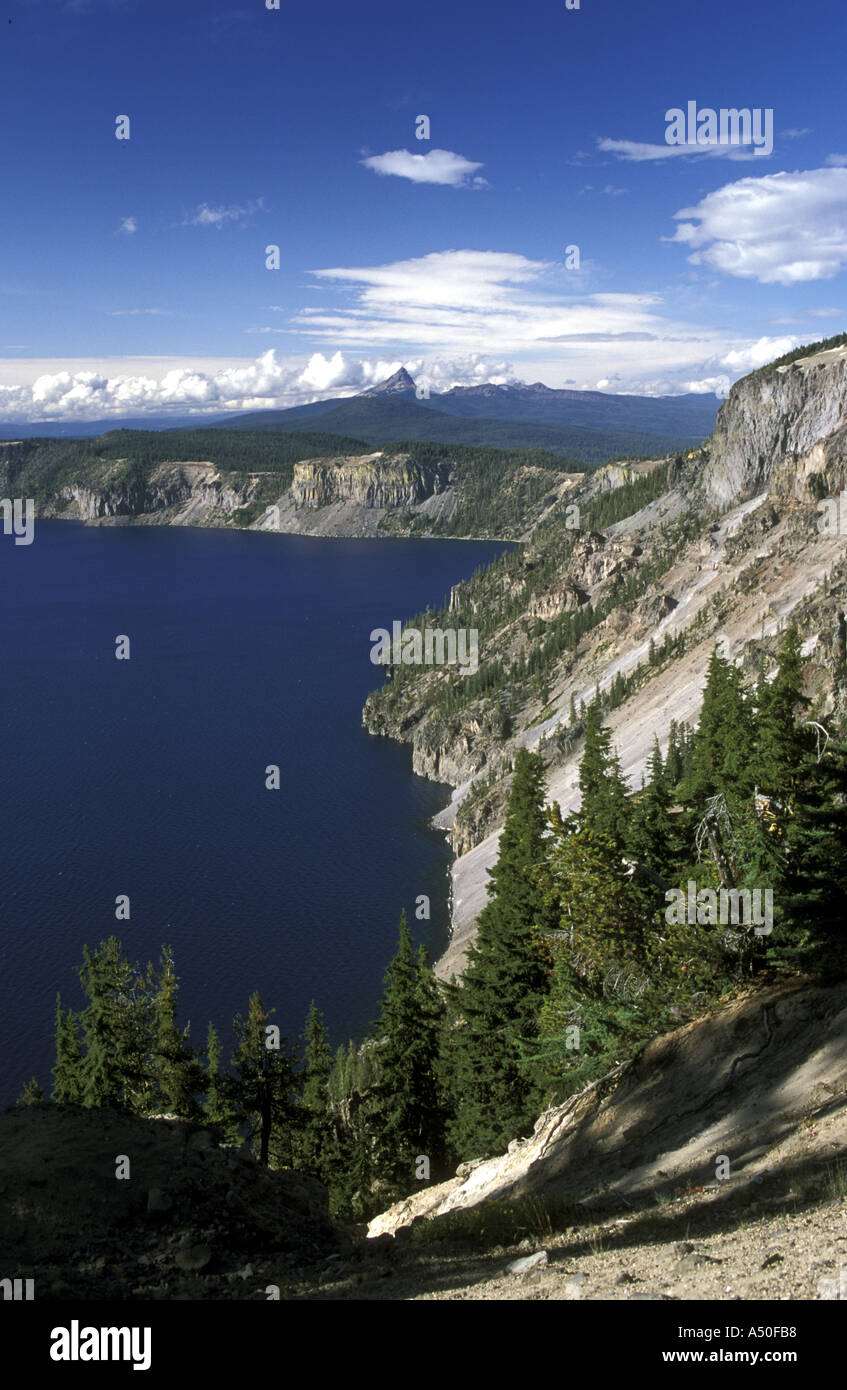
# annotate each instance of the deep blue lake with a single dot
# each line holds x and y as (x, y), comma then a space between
(146, 777)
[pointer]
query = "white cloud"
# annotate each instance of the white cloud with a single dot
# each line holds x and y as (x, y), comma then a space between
(455, 299)
(825, 313)
(836, 161)
(265, 383)
(747, 359)
(129, 313)
(437, 166)
(430, 314)
(529, 312)
(708, 385)
(795, 134)
(208, 215)
(128, 226)
(339, 375)
(637, 151)
(780, 229)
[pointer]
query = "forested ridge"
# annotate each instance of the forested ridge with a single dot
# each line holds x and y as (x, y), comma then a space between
(582, 955)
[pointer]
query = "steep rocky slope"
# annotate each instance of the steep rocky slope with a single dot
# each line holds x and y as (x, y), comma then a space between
(712, 1166)
(735, 1084)
(734, 548)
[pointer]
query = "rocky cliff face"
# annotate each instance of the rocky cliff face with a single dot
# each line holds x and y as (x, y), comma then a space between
(181, 492)
(375, 481)
(778, 427)
(749, 555)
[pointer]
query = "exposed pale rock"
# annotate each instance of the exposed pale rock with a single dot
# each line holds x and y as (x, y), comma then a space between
(528, 1263)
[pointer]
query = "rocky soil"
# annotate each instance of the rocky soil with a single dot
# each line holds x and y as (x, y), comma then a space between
(769, 1242)
(192, 1221)
(714, 1166)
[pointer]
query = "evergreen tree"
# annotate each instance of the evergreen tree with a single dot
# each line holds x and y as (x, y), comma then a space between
(813, 925)
(67, 1073)
(673, 757)
(784, 745)
(721, 761)
(177, 1073)
(31, 1094)
(505, 979)
(118, 1030)
(263, 1083)
(219, 1109)
(316, 1149)
(404, 1111)
(652, 835)
(603, 792)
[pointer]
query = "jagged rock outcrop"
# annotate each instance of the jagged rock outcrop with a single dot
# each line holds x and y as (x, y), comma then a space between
(375, 480)
(771, 429)
(562, 598)
(597, 557)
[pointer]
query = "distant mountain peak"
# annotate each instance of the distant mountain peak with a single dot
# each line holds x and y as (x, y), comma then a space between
(399, 382)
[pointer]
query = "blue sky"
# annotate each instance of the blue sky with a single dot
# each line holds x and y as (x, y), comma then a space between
(133, 276)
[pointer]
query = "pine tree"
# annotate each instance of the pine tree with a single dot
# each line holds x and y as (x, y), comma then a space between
(316, 1150)
(813, 926)
(652, 835)
(67, 1073)
(673, 757)
(219, 1110)
(494, 1094)
(118, 1030)
(31, 1094)
(596, 904)
(263, 1084)
(404, 1111)
(784, 745)
(721, 761)
(177, 1073)
(603, 792)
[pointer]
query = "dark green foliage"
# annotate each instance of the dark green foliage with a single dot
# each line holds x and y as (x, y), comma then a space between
(67, 1073)
(178, 1075)
(219, 1111)
(815, 884)
(118, 1030)
(405, 1112)
(784, 743)
(494, 1093)
(624, 501)
(722, 750)
(316, 1142)
(652, 833)
(263, 1085)
(31, 1094)
(603, 791)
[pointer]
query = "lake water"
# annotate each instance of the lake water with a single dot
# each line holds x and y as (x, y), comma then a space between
(146, 777)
